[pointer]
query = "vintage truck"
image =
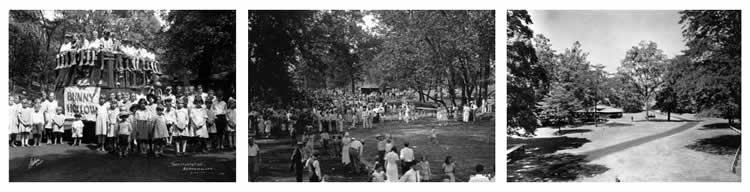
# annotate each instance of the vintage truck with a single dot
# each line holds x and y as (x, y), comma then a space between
(83, 76)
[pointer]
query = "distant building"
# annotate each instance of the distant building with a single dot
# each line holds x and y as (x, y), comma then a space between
(603, 111)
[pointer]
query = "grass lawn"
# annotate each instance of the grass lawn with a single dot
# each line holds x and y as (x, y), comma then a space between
(469, 144)
(630, 151)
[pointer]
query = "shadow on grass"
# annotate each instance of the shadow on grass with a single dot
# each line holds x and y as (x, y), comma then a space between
(665, 120)
(715, 126)
(552, 168)
(571, 131)
(719, 145)
(618, 125)
(548, 145)
(540, 163)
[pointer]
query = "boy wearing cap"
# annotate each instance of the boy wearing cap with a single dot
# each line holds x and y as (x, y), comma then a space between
(77, 131)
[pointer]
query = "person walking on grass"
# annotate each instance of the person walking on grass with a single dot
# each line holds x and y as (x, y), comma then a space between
(407, 157)
(391, 165)
(298, 162)
(314, 166)
(449, 168)
(479, 176)
(411, 175)
(253, 159)
(355, 151)
(381, 148)
(378, 175)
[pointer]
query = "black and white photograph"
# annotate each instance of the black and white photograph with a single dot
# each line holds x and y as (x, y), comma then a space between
(122, 95)
(623, 95)
(371, 96)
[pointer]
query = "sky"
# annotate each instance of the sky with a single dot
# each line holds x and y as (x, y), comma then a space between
(607, 35)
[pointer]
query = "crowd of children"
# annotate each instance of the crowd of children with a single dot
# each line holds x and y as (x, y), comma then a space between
(126, 123)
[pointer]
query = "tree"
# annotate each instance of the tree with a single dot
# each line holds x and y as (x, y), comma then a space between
(438, 51)
(275, 38)
(643, 67)
(672, 97)
(713, 39)
(620, 92)
(200, 44)
(527, 78)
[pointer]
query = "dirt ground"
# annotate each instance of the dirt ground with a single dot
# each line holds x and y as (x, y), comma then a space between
(64, 163)
(684, 149)
(469, 144)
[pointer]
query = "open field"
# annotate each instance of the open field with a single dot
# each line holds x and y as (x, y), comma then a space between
(468, 143)
(632, 151)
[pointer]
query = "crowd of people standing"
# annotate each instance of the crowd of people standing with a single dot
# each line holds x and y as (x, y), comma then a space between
(320, 130)
(141, 122)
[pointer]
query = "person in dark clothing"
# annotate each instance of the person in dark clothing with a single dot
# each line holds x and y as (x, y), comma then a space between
(298, 162)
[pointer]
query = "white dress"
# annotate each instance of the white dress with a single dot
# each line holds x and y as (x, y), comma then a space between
(101, 120)
(466, 113)
(198, 116)
(391, 166)
(345, 150)
(181, 123)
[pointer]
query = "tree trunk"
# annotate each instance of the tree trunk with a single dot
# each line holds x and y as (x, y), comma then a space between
(669, 116)
(353, 87)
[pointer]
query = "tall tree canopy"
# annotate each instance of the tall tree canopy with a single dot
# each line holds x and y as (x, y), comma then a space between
(643, 68)
(527, 78)
(429, 52)
(714, 48)
(292, 50)
(439, 52)
(200, 45)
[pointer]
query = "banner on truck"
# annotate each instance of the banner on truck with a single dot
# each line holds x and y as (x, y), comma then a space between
(81, 100)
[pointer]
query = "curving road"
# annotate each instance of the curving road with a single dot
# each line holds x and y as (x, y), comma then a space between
(598, 153)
